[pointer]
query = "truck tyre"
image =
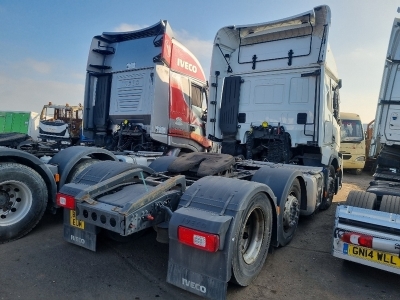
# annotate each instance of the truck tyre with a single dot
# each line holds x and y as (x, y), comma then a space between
(290, 213)
(253, 239)
(361, 199)
(327, 200)
(23, 200)
(79, 167)
(390, 204)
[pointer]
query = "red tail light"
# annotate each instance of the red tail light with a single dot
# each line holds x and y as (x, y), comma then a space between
(357, 239)
(65, 201)
(198, 239)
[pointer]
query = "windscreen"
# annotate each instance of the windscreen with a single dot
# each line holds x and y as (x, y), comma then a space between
(351, 131)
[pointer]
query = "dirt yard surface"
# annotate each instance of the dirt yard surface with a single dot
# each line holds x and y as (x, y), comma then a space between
(353, 182)
(42, 265)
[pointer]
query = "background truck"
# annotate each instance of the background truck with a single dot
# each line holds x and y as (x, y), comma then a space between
(135, 82)
(24, 122)
(145, 92)
(352, 142)
(61, 124)
(367, 226)
(228, 209)
(274, 94)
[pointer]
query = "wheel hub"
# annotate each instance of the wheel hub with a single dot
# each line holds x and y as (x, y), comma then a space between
(291, 213)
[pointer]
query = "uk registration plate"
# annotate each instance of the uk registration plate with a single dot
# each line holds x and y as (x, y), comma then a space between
(372, 255)
(74, 221)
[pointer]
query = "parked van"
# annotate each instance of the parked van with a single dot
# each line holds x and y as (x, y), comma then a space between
(352, 142)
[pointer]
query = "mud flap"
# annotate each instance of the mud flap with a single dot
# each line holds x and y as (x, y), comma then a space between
(85, 238)
(196, 283)
(214, 285)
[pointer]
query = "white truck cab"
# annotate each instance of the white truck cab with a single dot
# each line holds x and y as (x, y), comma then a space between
(274, 92)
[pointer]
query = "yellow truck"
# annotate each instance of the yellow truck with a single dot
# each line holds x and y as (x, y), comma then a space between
(352, 142)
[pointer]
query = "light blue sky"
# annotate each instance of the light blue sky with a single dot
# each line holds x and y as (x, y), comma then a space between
(44, 44)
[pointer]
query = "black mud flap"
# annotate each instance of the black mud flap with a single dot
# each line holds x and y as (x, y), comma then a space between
(196, 283)
(85, 238)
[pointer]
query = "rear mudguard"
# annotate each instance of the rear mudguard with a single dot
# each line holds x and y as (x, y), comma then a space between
(280, 179)
(214, 205)
(69, 157)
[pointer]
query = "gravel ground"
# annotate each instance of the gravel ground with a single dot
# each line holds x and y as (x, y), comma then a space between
(43, 266)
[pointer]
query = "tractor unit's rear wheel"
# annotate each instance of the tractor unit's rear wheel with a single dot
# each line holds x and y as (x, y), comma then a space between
(290, 213)
(329, 190)
(23, 200)
(253, 239)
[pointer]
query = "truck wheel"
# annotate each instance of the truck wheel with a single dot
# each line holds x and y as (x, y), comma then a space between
(390, 204)
(252, 238)
(79, 167)
(290, 213)
(23, 200)
(361, 199)
(327, 200)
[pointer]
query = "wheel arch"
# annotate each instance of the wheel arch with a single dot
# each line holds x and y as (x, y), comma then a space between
(334, 161)
(69, 157)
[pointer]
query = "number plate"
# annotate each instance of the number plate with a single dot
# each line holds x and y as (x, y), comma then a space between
(372, 255)
(74, 221)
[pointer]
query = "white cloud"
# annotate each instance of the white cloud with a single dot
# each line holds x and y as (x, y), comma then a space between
(27, 94)
(129, 27)
(202, 49)
(78, 76)
(39, 66)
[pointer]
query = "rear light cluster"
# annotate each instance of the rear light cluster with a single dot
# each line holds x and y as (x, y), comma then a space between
(357, 239)
(198, 239)
(367, 241)
(65, 201)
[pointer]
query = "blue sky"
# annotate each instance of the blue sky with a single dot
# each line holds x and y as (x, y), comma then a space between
(44, 44)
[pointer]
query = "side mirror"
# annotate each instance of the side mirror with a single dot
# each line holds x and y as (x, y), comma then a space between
(339, 85)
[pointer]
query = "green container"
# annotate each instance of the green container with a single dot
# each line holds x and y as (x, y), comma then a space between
(19, 121)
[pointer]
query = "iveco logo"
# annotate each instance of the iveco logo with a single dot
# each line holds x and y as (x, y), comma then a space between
(178, 121)
(194, 285)
(187, 66)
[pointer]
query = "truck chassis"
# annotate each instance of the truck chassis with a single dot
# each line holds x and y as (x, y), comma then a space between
(211, 206)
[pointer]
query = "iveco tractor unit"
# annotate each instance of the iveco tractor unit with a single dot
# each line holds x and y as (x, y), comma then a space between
(272, 118)
(367, 226)
(145, 92)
